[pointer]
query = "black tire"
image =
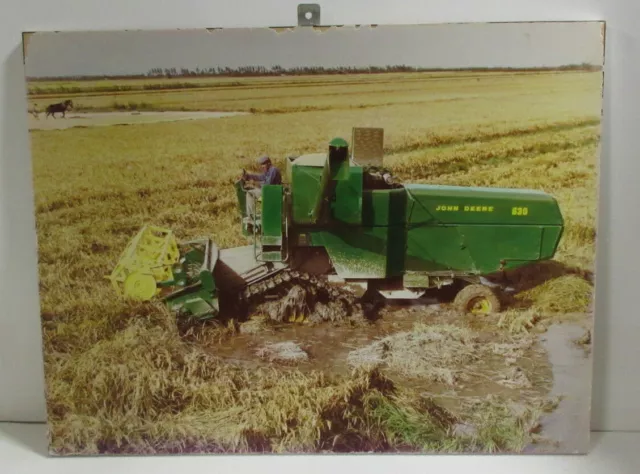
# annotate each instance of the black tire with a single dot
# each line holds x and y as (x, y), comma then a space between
(477, 299)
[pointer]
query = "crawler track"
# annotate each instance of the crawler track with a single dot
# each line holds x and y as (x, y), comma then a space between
(297, 296)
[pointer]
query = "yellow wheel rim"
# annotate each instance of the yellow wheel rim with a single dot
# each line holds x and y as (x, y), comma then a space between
(479, 305)
(140, 286)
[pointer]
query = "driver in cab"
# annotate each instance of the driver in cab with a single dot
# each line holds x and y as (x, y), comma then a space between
(270, 175)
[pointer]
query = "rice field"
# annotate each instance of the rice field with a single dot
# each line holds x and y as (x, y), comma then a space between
(123, 378)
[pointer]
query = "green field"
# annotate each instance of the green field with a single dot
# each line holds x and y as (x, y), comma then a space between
(119, 376)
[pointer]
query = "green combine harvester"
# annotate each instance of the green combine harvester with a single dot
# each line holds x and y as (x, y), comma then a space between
(340, 225)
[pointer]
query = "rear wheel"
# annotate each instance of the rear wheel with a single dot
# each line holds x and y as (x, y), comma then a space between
(477, 299)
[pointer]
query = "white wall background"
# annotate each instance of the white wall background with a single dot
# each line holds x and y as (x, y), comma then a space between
(616, 389)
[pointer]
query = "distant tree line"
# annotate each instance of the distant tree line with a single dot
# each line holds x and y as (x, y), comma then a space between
(277, 71)
(248, 71)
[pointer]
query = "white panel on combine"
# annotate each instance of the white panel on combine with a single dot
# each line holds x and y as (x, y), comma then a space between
(367, 146)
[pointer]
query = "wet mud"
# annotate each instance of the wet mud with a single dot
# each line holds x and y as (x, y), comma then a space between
(521, 368)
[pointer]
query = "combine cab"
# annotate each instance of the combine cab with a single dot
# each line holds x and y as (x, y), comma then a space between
(343, 225)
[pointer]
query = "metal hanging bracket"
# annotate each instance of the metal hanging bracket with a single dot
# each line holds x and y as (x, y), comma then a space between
(308, 14)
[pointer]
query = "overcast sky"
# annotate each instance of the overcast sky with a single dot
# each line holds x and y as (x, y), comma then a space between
(431, 46)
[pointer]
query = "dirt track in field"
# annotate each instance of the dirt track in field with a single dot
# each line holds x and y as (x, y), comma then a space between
(96, 119)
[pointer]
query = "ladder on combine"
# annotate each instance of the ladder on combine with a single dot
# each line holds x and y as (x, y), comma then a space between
(270, 229)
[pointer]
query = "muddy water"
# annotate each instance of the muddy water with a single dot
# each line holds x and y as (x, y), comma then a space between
(328, 348)
(95, 119)
(569, 425)
(555, 366)
(327, 345)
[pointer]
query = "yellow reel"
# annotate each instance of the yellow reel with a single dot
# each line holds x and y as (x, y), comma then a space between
(140, 286)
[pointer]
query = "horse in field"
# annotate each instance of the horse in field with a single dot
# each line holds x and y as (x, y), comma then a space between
(61, 107)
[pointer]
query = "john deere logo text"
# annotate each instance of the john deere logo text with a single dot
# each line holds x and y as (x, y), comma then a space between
(447, 208)
(465, 208)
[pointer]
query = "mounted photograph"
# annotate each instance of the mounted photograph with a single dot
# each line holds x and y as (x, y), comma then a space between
(353, 239)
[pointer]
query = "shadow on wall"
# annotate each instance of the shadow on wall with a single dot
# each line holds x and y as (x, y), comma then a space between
(29, 436)
(20, 333)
